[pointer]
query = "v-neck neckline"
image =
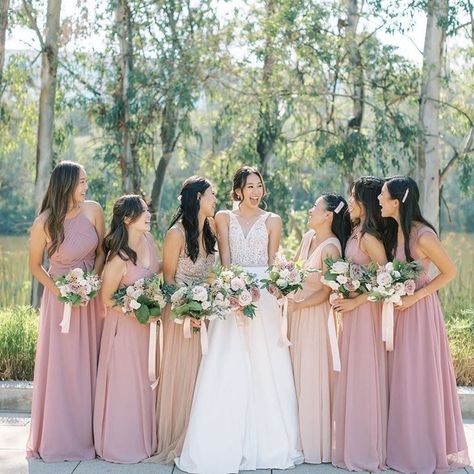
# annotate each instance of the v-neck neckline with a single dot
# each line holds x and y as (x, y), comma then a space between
(251, 227)
(310, 255)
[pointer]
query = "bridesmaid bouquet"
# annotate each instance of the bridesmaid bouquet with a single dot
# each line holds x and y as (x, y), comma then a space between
(77, 288)
(345, 277)
(393, 280)
(388, 283)
(145, 298)
(238, 288)
(284, 277)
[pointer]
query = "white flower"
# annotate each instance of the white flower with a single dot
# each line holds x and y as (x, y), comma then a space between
(396, 274)
(205, 305)
(285, 273)
(134, 304)
(76, 274)
(389, 266)
(334, 285)
(227, 275)
(281, 283)
(339, 267)
(178, 295)
(384, 279)
(341, 279)
(295, 277)
(64, 290)
(199, 293)
(245, 298)
(237, 284)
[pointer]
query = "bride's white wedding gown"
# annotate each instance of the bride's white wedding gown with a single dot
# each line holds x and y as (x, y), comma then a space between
(244, 412)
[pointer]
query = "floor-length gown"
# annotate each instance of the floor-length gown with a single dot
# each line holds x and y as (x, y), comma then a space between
(124, 414)
(311, 358)
(66, 363)
(425, 429)
(181, 359)
(244, 414)
(360, 401)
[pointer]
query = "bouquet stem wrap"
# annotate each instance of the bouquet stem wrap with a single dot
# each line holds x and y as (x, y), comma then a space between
(152, 376)
(387, 325)
(66, 321)
(283, 304)
(336, 359)
(203, 334)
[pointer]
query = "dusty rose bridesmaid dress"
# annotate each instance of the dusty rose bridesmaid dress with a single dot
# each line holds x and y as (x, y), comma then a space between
(360, 403)
(66, 364)
(125, 416)
(425, 429)
(311, 358)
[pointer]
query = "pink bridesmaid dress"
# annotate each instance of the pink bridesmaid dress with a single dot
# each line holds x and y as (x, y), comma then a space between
(360, 401)
(124, 416)
(66, 363)
(311, 358)
(425, 429)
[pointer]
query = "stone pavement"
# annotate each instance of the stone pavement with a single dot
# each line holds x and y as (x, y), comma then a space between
(14, 433)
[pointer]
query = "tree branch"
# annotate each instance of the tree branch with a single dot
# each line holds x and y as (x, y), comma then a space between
(33, 23)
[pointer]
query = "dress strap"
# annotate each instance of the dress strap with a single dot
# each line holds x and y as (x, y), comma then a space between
(331, 241)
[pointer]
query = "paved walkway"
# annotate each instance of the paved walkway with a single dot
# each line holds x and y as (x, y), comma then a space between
(14, 433)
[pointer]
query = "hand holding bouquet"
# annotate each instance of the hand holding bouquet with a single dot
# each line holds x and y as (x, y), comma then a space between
(345, 277)
(76, 288)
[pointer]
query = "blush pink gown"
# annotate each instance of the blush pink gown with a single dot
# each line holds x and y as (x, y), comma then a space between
(125, 416)
(425, 429)
(360, 403)
(66, 364)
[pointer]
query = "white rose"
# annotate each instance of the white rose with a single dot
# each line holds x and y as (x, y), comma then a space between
(134, 304)
(389, 266)
(237, 284)
(205, 305)
(340, 267)
(178, 295)
(64, 290)
(285, 273)
(384, 279)
(341, 279)
(281, 283)
(199, 293)
(76, 274)
(245, 298)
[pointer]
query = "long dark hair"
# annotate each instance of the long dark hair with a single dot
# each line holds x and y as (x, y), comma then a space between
(240, 180)
(405, 190)
(188, 213)
(341, 222)
(366, 190)
(116, 241)
(62, 184)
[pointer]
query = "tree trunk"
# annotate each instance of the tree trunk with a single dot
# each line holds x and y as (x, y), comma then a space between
(126, 158)
(44, 150)
(429, 152)
(4, 5)
(169, 138)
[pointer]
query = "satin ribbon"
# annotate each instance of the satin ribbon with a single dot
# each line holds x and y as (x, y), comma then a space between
(202, 331)
(283, 339)
(243, 324)
(66, 321)
(336, 359)
(152, 376)
(387, 325)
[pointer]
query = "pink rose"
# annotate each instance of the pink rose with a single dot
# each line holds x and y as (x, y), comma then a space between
(233, 301)
(352, 285)
(410, 287)
(255, 292)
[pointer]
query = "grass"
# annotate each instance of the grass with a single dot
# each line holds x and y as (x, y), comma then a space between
(18, 323)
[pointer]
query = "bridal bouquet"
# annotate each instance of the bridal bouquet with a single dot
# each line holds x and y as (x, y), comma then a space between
(236, 287)
(284, 276)
(393, 280)
(76, 288)
(344, 277)
(389, 283)
(145, 298)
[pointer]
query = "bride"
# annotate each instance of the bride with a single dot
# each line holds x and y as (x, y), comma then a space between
(244, 412)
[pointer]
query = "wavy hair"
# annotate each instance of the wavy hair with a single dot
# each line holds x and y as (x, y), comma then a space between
(62, 184)
(188, 211)
(116, 241)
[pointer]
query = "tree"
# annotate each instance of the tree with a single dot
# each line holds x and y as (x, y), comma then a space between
(4, 4)
(429, 153)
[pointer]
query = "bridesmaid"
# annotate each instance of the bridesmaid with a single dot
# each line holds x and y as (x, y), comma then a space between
(71, 230)
(310, 353)
(188, 255)
(360, 401)
(124, 415)
(425, 429)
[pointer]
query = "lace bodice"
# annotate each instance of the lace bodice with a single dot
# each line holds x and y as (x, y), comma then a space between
(250, 250)
(188, 271)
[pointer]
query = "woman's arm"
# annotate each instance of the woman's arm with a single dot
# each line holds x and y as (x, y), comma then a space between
(36, 248)
(274, 236)
(113, 272)
(429, 244)
(222, 227)
(99, 225)
(172, 248)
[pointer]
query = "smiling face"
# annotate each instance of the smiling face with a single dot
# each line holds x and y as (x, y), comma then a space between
(207, 202)
(356, 208)
(252, 192)
(389, 207)
(143, 222)
(79, 194)
(318, 214)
